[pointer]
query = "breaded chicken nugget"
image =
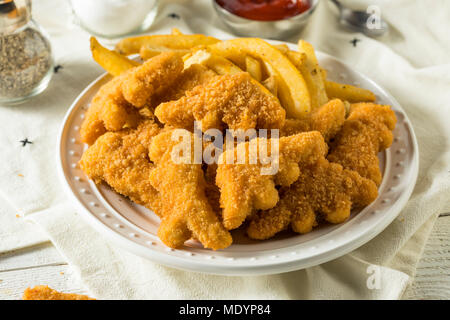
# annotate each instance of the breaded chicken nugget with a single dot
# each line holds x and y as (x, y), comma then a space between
(234, 101)
(121, 160)
(191, 77)
(186, 211)
(152, 76)
(327, 119)
(212, 191)
(243, 186)
(323, 188)
(116, 105)
(367, 131)
(109, 111)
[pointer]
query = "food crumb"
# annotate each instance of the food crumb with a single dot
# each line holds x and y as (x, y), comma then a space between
(20, 175)
(46, 293)
(61, 273)
(17, 216)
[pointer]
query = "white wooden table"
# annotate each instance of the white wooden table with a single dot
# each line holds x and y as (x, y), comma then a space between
(43, 265)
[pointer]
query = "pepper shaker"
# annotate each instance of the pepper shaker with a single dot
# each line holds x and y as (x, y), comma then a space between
(26, 61)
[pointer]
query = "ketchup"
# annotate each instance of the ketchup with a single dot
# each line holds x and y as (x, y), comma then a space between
(265, 10)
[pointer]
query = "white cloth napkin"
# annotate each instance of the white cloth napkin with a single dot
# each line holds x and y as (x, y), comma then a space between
(412, 63)
(16, 232)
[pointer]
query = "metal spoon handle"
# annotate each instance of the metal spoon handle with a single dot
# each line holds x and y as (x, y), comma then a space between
(337, 3)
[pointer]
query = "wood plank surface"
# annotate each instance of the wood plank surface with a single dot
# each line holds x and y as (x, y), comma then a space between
(433, 272)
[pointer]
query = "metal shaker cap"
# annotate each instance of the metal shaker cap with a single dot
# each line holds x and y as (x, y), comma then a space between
(14, 14)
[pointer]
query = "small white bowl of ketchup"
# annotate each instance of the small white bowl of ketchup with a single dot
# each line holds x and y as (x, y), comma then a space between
(272, 19)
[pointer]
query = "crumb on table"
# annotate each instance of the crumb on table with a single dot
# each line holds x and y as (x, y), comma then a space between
(47, 293)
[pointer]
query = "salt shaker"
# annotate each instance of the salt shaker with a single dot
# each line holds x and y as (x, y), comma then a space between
(110, 19)
(26, 61)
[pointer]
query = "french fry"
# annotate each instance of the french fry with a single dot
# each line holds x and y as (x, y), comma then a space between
(148, 52)
(297, 58)
(176, 32)
(283, 48)
(134, 44)
(113, 62)
(312, 86)
(253, 67)
(348, 92)
(222, 66)
(218, 64)
(292, 90)
(311, 73)
(271, 84)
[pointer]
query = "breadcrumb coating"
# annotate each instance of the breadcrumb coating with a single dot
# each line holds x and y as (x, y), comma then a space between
(367, 131)
(323, 188)
(212, 190)
(152, 76)
(121, 160)
(234, 101)
(46, 293)
(109, 111)
(116, 105)
(186, 211)
(327, 119)
(191, 77)
(244, 189)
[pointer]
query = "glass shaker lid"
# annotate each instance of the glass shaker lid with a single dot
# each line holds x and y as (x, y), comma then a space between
(14, 14)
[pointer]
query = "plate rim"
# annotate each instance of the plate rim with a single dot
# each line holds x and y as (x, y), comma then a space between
(235, 269)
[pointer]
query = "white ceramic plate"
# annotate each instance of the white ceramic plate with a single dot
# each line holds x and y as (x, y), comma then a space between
(134, 228)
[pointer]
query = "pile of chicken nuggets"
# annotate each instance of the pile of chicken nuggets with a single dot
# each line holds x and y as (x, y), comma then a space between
(327, 159)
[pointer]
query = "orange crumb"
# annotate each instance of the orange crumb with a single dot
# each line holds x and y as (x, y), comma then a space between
(47, 293)
(20, 175)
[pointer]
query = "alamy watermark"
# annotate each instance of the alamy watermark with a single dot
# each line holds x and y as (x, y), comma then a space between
(239, 147)
(374, 20)
(374, 280)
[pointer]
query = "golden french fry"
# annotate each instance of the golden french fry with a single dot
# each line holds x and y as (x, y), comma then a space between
(292, 90)
(176, 32)
(311, 72)
(312, 86)
(348, 92)
(148, 52)
(297, 58)
(271, 84)
(181, 41)
(270, 71)
(284, 48)
(222, 66)
(218, 64)
(253, 67)
(113, 62)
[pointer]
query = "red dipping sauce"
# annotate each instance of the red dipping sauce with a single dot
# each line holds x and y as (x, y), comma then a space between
(265, 10)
